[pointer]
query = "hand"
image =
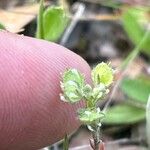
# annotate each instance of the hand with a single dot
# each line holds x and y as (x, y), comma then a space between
(31, 113)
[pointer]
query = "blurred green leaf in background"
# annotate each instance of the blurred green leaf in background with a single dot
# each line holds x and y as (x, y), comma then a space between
(124, 114)
(52, 22)
(2, 26)
(138, 91)
(136, 24)
(135, 21)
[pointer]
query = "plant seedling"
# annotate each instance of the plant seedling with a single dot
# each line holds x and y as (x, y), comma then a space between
(74, 89)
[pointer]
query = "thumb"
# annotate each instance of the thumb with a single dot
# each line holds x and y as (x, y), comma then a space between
(31, 113)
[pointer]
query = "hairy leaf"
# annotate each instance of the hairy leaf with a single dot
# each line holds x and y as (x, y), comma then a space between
(102, 73)
(89, 116)
(72, 86)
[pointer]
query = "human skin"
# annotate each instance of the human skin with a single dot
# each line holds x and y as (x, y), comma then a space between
(31, 113)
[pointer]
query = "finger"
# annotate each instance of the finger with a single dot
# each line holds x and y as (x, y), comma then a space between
(31, 113)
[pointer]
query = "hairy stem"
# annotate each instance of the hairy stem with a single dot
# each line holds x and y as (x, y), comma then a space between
(96, 137)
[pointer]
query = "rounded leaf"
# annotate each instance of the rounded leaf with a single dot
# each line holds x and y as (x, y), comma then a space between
(102, 73)
(72, 86)
(54, 23)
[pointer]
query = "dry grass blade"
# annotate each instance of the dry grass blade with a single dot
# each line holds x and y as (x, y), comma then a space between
(99, 17)
(15, 19)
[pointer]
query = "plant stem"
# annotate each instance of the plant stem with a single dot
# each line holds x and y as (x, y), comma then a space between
(96, 137)
(66, 143)
(40, 29)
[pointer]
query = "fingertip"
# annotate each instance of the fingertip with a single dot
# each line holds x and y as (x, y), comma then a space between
(30, 86)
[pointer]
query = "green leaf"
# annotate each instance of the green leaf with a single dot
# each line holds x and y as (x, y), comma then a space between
(73, 75)
(134, 20)
(124, 114)
(102, 73)
(137, 89)
(51, 22)
(54, 23)
(72, 86)
(2, 26)
(40, 28)
(89, 116)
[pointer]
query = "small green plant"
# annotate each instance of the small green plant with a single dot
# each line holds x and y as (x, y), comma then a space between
(74, 89)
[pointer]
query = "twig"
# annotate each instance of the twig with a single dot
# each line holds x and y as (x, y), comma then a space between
(93, 1)
(99, 17)
(119, 142)
(96, 138)
(73, 23)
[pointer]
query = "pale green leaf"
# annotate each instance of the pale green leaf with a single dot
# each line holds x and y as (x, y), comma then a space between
(137, 89)
(89, 116)
(124, 114)
(73, 75)
(102, 73)
(72, 86)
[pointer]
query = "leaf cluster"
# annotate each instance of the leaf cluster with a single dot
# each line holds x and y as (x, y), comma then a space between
(74, 88)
